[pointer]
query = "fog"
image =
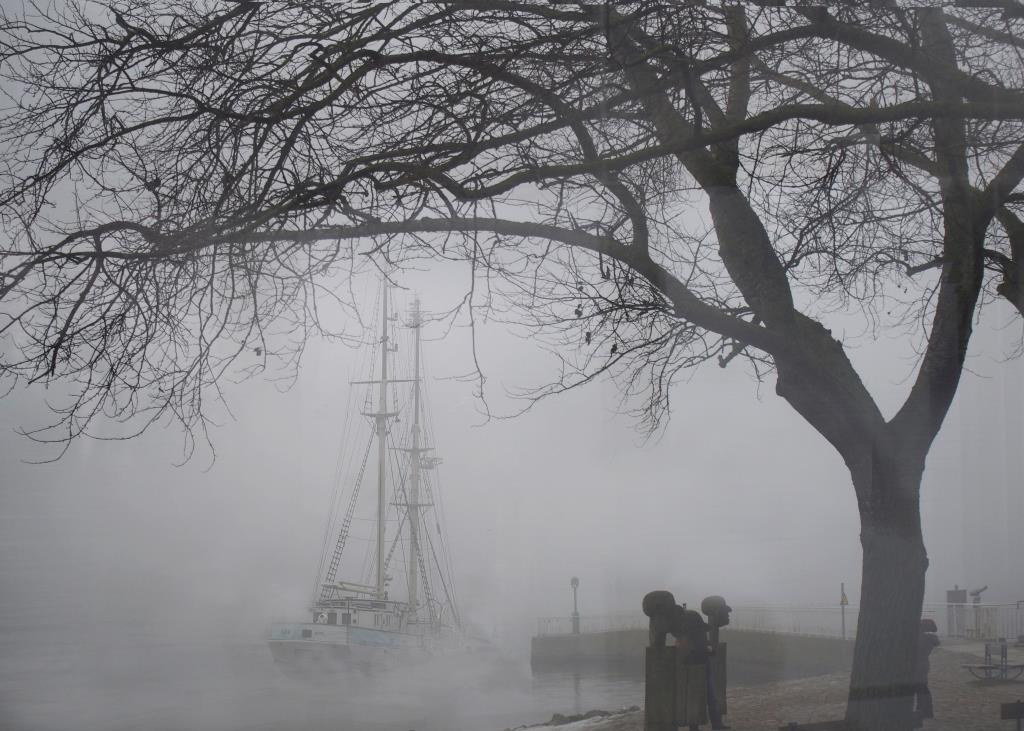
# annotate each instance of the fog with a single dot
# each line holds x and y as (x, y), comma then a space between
(120, 570)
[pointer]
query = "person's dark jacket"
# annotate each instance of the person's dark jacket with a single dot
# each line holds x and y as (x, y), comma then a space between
(926, 642)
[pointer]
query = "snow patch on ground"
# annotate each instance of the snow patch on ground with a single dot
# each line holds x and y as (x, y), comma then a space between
(590, 721)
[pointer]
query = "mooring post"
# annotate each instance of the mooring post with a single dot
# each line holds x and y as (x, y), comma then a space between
(717, 611)
(659, 664)
(1012, 711)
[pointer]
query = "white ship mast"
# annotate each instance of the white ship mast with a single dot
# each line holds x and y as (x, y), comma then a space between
(414, 467)
(417, 462)
(380, 416)
(413, 506)
(382, 429)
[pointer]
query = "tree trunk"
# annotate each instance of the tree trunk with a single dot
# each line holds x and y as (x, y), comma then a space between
(892, 591)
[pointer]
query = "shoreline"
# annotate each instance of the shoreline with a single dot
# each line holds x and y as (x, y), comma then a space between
(962, 703)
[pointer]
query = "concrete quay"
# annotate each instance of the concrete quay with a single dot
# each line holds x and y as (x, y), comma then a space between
(754, 656)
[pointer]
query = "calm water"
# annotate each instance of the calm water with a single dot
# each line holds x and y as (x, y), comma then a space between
(59, 683)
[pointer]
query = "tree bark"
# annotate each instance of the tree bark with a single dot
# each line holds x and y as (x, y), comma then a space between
(892, 593)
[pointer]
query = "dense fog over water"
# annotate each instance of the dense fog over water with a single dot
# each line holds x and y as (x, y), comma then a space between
(131, 588)
(105, 681)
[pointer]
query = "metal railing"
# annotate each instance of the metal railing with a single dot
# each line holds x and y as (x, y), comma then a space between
(968, 621)
(982, 621)
(589, 624)
(822, 621)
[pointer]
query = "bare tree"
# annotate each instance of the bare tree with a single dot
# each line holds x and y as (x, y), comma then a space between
(658, 184)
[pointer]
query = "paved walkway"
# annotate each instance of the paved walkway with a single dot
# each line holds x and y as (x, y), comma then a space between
(961, 702)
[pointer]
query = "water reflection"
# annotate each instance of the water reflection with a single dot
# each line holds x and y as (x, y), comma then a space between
(585, 689)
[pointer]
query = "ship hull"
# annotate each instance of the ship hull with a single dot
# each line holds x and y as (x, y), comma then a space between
(305, 649)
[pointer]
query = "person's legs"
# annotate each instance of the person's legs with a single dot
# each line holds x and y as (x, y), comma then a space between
(924, 702)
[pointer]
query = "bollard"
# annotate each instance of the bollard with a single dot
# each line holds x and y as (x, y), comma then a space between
(691, 691)
(659, 606)
(719, 675)
(660, 689)
(659, 664)
(1012, 712)
(677, 677)
(717, 611)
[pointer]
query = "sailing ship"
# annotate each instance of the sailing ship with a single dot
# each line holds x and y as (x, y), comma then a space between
(356, 621)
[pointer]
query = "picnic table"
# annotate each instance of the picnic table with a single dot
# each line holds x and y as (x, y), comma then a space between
(991, 670)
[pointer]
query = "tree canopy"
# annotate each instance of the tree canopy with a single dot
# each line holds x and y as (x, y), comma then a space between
(182, 170)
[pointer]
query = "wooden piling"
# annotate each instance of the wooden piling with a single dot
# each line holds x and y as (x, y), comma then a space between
(660, 689)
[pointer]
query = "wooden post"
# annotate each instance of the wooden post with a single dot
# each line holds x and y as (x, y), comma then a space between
(660, 689)
(717, 612)
(659, 664)
(1012, 711)
(719, 680)
(691, 692)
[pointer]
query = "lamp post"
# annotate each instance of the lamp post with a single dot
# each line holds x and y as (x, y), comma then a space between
(843, 601)
(575, 583)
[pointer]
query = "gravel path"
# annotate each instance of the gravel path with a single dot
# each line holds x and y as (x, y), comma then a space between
(961, 702)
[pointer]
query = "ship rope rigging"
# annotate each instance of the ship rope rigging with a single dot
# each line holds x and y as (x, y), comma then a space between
(408, 498)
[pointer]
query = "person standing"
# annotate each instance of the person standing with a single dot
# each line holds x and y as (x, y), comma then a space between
(927, 641)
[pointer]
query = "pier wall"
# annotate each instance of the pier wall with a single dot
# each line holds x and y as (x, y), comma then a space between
(754, 656)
